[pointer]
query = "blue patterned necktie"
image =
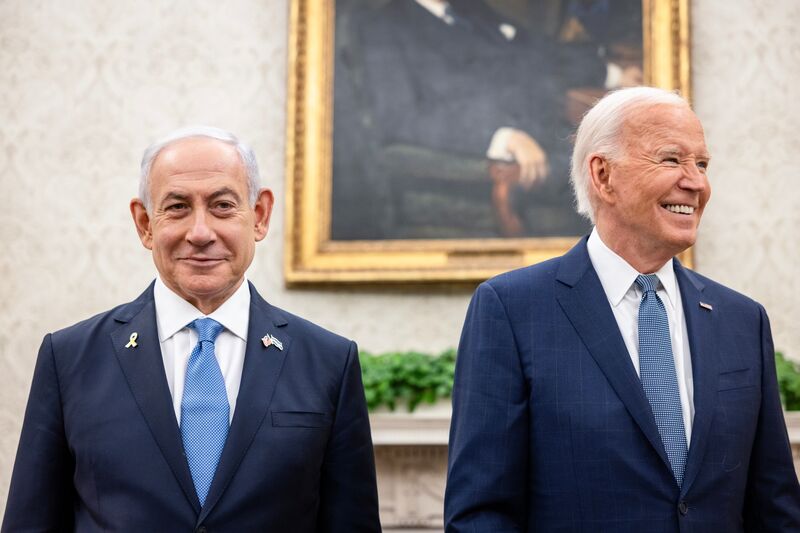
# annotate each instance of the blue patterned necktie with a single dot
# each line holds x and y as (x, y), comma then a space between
(204, 408)
(657, 372)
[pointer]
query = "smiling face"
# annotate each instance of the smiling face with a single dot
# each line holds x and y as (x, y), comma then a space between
(201, 229)
(650, 199)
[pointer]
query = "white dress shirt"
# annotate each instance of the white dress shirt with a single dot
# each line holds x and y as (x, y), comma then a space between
(173, 314)
(618, 279)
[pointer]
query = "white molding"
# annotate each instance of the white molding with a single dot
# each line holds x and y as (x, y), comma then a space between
(430, 425)
(793, 426)
(426, 426)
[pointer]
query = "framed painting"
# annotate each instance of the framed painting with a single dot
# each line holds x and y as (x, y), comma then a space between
(429, 140)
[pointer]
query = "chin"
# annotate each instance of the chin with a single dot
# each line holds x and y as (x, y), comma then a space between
(200, 285)
(679, 243)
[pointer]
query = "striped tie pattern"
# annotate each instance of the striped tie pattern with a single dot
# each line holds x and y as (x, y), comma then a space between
(204, 408)
(657, 372)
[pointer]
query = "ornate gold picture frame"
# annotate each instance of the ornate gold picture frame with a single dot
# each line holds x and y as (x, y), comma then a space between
(315, 251)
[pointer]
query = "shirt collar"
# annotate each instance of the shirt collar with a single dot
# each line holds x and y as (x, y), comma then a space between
(173, 313)
(617, 276)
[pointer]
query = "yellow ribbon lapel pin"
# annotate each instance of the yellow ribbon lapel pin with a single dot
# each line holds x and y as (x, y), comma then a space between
(132, 340)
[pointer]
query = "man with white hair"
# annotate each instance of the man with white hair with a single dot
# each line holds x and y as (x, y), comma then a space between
(612, 389)
(198, 406)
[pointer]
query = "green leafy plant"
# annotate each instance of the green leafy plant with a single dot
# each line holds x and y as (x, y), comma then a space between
(410, 377)
(788, 382)
(415, 377)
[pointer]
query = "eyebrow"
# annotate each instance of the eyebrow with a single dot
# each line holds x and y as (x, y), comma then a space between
(223, 192)
(172, 195)
(675, 150)
(669, 149)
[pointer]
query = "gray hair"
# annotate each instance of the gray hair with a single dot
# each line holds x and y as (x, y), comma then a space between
(599, 133)
(246, 154)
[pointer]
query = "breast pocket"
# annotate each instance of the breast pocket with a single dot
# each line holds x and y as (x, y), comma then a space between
(735, 379)
(300, 419)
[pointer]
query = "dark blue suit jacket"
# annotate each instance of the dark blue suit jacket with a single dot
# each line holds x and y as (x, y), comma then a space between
(101, 449)
(552, 431)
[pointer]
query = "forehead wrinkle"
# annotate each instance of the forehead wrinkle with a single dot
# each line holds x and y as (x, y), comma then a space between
(198, 155)
(661, 137)
(204, 173)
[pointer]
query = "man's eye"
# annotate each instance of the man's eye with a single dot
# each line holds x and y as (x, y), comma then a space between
(673, 160)
(703, 165)
(175, 207)
(225, 205)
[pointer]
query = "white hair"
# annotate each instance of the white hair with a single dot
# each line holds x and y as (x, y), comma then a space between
(599, 133)
(246, 154)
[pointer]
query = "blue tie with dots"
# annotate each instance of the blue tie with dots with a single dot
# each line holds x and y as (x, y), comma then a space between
(204, 408)
(657, 372)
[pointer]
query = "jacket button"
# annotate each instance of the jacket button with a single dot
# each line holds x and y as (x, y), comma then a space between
(683, 508)
(201, 529)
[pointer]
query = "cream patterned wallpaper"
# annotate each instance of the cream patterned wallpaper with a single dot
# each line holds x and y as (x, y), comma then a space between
(86, 85)
(746, 76)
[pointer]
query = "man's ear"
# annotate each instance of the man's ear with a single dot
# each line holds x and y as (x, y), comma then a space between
(141, 219)
(600, 177)
(263, 211)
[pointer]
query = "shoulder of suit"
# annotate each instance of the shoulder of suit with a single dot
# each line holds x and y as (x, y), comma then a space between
(721, 293)
(105, 322)
(298, 327)
(533, 275)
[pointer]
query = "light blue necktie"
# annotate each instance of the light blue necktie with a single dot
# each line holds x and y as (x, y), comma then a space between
(657, 372)
(204, 408)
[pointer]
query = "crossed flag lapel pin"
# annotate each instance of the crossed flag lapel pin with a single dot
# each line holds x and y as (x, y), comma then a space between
(270, 340)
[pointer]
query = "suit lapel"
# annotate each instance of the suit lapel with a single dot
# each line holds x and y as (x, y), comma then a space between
(143, 367)
(262, 367)
(701, 330)
(581, 296)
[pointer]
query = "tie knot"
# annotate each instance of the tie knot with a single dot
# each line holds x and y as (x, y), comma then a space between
(647, 282)
(207, 329)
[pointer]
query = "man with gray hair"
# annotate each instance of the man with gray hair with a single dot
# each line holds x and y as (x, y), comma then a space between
(612, 389)
(198, 406)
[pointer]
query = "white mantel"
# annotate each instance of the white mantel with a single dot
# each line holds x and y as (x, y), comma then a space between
(411, 458)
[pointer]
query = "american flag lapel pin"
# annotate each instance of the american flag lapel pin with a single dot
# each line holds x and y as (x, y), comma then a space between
(270, 340)
(275, 342)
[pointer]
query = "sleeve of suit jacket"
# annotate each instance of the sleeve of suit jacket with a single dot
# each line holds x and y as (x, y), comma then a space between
(349, 498)
(488, 456)
(40, 497)
(773, 497)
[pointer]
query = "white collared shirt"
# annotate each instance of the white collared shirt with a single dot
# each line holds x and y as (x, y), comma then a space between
(618, 279)
(173, 314)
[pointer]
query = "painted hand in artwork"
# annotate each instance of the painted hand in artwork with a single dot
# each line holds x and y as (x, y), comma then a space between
(531, 158)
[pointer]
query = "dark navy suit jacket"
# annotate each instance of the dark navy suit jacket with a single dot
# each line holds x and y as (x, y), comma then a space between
(552, 431)
(101, 449)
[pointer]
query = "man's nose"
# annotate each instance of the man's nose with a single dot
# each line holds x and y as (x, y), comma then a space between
(200, 233)
(693, 179)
